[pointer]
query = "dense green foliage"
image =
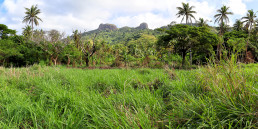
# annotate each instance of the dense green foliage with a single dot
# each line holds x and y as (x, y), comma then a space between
(184, 39)
(5, 32)
(122, 35)
(173, 45)
(177, 45)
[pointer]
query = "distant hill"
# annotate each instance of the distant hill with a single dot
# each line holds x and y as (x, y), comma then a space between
(114, 35)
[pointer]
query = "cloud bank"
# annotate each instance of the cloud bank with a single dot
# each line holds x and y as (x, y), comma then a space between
(68, 15)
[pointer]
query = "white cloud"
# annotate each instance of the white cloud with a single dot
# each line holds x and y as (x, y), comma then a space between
(153, 20)
(248, 0)
(2, 20)
(67, 15)
(237, 6)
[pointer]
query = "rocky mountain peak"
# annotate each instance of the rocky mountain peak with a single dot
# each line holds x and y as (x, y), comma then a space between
(143, 26)
(107, 27)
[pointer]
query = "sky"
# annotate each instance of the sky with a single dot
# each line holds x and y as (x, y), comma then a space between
(69, 15)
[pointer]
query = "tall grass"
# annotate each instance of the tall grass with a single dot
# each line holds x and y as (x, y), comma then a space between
(227, 98)
(217, 96)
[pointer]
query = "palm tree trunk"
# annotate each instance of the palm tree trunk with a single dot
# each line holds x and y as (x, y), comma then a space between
(186, 20)
(219, 45)
(246, 56)
(32, 28)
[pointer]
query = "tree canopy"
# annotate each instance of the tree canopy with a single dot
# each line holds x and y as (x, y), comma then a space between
(185, 38)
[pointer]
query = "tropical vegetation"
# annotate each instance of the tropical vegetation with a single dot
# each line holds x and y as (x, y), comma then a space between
(190, 75)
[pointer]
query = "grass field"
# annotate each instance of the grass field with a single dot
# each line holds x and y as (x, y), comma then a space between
(219, 96)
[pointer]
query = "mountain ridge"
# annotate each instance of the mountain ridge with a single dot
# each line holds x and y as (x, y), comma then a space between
(114, 35)
(113, 27)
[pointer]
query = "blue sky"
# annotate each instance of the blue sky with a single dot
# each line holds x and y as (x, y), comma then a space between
(68, 15)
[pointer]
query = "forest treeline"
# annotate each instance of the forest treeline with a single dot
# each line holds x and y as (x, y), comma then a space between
(178, 45)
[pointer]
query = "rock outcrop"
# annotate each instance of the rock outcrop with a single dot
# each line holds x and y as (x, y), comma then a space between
(107, 27)
(143, 26)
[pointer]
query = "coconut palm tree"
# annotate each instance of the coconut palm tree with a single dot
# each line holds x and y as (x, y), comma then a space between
(187, 12)
(32, 16)
(202, 22)
(222, 17)
(224, 27)
(27, 32)
(249, 19)
(238, 25)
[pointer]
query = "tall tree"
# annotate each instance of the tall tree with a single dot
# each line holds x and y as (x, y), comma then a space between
(89, 49)
(222, 17)
(77, 38)
(185, 38)
(249, 19)
(32, 16)
(55, 45)
(187, 12)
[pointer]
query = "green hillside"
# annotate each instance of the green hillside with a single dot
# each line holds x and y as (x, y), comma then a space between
(121, 35)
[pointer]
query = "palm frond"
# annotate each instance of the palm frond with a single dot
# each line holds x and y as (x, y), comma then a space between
(31, 15)
(185, 11)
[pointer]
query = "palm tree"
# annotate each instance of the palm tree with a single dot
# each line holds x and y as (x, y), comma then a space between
(187, 12)
(31, 16)
(249, 19)
(27, 32)
(222, 17)
(238, 25)
(256, 28)
(224, 27)
(202, 22)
